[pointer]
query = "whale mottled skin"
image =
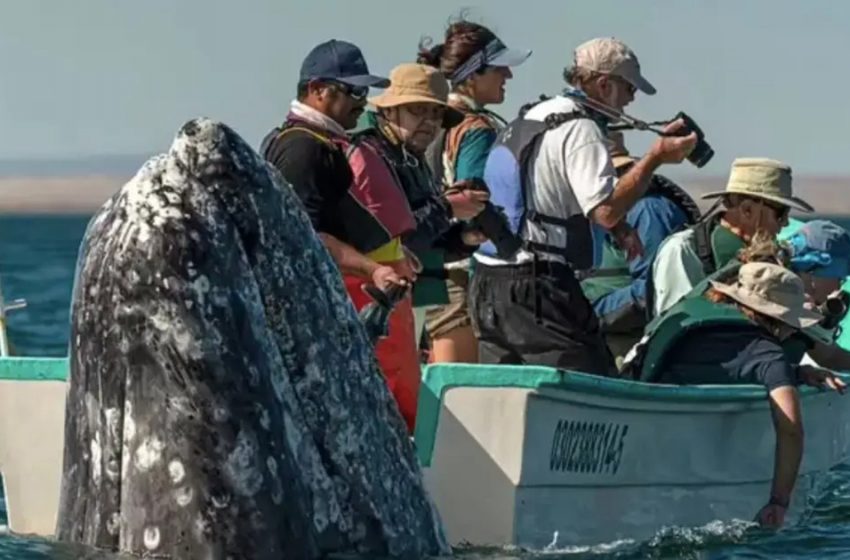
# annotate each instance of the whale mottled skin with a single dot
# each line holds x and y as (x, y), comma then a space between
(224, 400)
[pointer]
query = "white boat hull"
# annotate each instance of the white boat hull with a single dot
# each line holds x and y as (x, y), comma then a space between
(516, 456)
(584, 463)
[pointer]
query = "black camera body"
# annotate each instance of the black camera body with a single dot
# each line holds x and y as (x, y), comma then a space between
(493, 223)
(375, 316)
(834, 309)
(702, 152)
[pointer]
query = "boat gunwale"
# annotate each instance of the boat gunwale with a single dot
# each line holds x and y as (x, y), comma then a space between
(34, 368)
(437, 379)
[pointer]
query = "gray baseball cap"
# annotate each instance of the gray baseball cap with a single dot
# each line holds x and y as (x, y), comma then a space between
(608, 55)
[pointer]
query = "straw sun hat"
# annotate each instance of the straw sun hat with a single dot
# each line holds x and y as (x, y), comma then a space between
(771, 290)
(418, 83)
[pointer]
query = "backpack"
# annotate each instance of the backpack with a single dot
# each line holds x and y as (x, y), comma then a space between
(506, 178)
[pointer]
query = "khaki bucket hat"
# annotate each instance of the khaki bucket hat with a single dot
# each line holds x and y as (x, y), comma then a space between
(418, 83)
(762, 178)
(774, 291)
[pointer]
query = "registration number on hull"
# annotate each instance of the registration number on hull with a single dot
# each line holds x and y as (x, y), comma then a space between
(587, 447)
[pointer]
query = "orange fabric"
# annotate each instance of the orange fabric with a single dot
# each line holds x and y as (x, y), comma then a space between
(397, 354)
(454, 135)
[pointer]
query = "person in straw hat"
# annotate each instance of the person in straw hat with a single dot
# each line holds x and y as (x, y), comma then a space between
(389, 150)
(758, 197)
(737, 333)
(617, 289)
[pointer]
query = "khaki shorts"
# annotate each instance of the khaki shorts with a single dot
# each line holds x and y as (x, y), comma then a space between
(442, 319)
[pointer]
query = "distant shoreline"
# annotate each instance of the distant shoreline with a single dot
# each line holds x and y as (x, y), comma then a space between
(84, 194)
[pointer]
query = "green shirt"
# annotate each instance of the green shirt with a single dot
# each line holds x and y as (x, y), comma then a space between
(678, 268)
(472, 153)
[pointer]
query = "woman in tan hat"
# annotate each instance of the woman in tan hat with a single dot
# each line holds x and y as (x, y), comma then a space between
(746, 332)
(408, 115)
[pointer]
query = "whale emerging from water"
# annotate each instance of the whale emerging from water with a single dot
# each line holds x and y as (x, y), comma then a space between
(224, 400)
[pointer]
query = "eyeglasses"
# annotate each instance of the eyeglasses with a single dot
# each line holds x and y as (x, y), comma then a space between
(429, 111)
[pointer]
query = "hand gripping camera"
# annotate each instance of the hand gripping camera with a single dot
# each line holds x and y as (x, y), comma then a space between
(493, 223)
(702, 152)
(375, 316)
(834, 309)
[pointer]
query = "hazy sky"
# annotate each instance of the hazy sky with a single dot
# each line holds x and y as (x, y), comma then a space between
(94, 77)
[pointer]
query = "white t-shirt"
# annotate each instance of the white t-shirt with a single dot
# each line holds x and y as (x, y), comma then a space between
(571, 173)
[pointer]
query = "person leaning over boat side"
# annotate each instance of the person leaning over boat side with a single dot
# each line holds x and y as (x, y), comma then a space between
(758, 196)
(309, 150)
(617, 288)
(409, 114)
(477, 63)
(736, 333)
(530, 308)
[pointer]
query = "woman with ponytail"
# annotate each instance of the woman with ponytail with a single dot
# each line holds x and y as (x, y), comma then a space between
(477, 64)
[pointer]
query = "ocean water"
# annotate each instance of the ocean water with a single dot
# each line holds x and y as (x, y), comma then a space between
(37, 259)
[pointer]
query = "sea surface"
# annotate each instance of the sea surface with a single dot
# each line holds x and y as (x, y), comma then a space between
(37, 259)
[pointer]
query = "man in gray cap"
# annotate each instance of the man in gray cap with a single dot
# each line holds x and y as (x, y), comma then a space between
(758, 197)
(608, 71)
(567, 187)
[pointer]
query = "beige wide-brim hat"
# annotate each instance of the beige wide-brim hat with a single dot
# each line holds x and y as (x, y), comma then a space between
(418, 83)
(774, 291)
(762, 178)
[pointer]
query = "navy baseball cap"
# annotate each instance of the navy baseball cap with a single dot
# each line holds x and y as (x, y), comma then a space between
(342, 62)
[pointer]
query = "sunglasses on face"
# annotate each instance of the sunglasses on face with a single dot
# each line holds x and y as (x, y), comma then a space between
(779, 210)
(631, 89)
(357, 93)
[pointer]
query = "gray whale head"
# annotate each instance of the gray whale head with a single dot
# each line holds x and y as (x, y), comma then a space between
(224, 398)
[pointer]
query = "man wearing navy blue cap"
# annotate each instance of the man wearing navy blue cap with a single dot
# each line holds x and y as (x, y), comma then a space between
(309, 150)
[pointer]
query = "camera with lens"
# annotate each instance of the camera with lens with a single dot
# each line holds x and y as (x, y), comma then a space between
(375, 316)
(493, 223)
(834, 309)
(702, 152)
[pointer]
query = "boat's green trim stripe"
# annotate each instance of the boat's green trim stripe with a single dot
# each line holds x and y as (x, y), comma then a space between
(33, 369)
(437, 379)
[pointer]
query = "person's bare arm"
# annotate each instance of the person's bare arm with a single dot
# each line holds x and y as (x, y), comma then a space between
(831, 356)
(788, 424)
(351, 261)
(632, 186)
(348, 259)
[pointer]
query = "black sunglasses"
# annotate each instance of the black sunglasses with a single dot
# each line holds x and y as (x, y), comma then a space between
(780, 210)
(357, 93)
